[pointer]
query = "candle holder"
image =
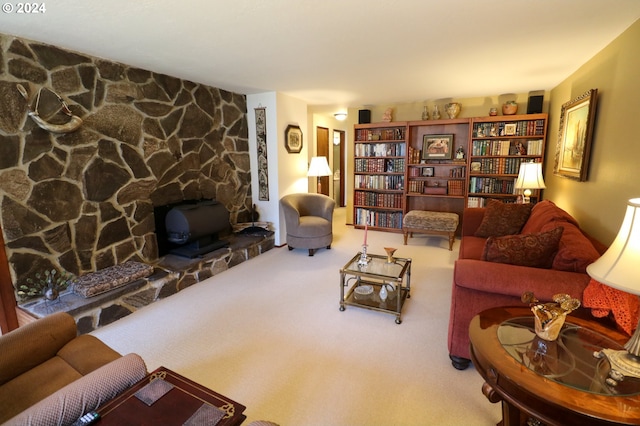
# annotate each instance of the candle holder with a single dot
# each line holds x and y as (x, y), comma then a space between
(364, 260)
(390, 251)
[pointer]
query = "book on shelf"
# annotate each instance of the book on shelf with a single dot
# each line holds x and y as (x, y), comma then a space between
(388, 134)
(379, 150)
(378, 199)
(455, 187)
(378, 218)
(379, 165)
(491, 185)
(415, 155)
(497, 129)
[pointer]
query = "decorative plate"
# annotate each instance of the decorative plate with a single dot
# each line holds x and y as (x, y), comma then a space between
(364, 290)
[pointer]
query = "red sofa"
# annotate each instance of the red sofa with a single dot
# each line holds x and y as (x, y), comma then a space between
(482, 284)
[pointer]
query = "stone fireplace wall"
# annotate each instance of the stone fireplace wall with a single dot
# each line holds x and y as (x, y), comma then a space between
(84, 200)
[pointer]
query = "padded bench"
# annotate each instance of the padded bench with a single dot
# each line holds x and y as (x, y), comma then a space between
(428, 222)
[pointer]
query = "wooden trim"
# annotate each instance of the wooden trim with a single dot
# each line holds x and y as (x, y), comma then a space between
(8, 317)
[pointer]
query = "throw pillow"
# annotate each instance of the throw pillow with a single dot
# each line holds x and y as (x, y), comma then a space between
(575, 251)
(544, 212)
(503, 219)
(535, 250)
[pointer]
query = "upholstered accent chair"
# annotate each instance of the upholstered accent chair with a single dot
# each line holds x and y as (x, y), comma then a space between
(309, 221)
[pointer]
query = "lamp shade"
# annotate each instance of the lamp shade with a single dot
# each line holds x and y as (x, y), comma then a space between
(619, 267)
(319, 167)
(530, 176)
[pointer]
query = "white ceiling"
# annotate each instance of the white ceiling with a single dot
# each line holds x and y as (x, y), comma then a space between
(349, 53)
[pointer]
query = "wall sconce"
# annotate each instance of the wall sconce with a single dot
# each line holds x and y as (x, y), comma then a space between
(341, 116)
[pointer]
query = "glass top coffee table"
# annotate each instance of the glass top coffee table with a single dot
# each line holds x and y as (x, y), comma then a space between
(367, 281)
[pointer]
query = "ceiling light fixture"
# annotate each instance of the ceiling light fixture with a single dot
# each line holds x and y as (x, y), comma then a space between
(340, 116)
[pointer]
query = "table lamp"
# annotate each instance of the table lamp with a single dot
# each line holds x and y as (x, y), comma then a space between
(618, 268)
(529, 177)
(319, 167)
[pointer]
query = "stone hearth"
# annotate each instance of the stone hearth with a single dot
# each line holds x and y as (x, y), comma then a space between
(171, 275)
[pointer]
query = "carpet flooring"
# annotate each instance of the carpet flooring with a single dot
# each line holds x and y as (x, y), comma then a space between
(268, 333)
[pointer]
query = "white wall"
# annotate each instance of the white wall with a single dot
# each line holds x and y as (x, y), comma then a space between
(287, 173)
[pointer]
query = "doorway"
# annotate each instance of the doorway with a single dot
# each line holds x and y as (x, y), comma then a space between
(322, 150)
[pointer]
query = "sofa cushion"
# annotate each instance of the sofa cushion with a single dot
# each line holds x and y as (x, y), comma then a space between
(535, 250)
(115, 276)
(503, 219)
(575, 251)
(544, 212)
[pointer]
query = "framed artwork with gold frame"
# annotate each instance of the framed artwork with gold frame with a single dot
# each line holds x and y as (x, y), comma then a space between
(574, 137)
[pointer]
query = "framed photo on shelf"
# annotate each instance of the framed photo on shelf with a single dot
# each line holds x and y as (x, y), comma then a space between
(293, 139)
(510, 129)
(437, 147)
(428, 172)
(574, 137)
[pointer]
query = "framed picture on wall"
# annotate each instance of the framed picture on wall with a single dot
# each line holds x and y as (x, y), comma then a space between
(293, 139)
(574, 137)
(437, 147)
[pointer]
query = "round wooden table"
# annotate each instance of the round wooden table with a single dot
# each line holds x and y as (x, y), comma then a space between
(552, 383)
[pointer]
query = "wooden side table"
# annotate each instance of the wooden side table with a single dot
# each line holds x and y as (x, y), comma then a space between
(174, 408)
(551, 383)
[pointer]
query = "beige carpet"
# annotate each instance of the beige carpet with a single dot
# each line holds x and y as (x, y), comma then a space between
(268, 333)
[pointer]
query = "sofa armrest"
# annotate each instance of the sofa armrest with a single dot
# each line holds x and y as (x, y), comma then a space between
(471, 220)
(85, 394)
(34, 343)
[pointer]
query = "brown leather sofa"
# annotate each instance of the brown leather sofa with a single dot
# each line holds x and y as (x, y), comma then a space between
(50, 375)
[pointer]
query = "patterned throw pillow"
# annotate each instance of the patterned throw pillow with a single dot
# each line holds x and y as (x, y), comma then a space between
(535, 250)
(503, 219)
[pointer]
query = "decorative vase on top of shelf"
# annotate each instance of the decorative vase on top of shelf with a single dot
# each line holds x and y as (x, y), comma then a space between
(452, 109)
(436, 113)
(509, 108)
(425, 113)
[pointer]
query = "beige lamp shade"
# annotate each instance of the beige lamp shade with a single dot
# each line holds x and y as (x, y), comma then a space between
(530, 176)
(619, 266)
(319, 167)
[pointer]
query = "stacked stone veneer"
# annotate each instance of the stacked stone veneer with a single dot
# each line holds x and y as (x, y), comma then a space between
(82, 201)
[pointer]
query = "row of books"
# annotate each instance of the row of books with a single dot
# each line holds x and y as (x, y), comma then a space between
(506, 147)
(379, 150)
(394, 134)
(377, 199)
(456, 172)
(378, 218)
(473, 202)
(503, 128)
(455, 187)
(379, 182)
(501, 165)
(415, 155)
(487, 185)
(379, 165)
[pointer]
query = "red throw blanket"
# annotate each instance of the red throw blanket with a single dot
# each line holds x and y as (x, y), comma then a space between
(603, 299)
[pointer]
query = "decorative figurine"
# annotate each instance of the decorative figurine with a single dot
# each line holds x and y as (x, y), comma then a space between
(460, 153)
(386, 117)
